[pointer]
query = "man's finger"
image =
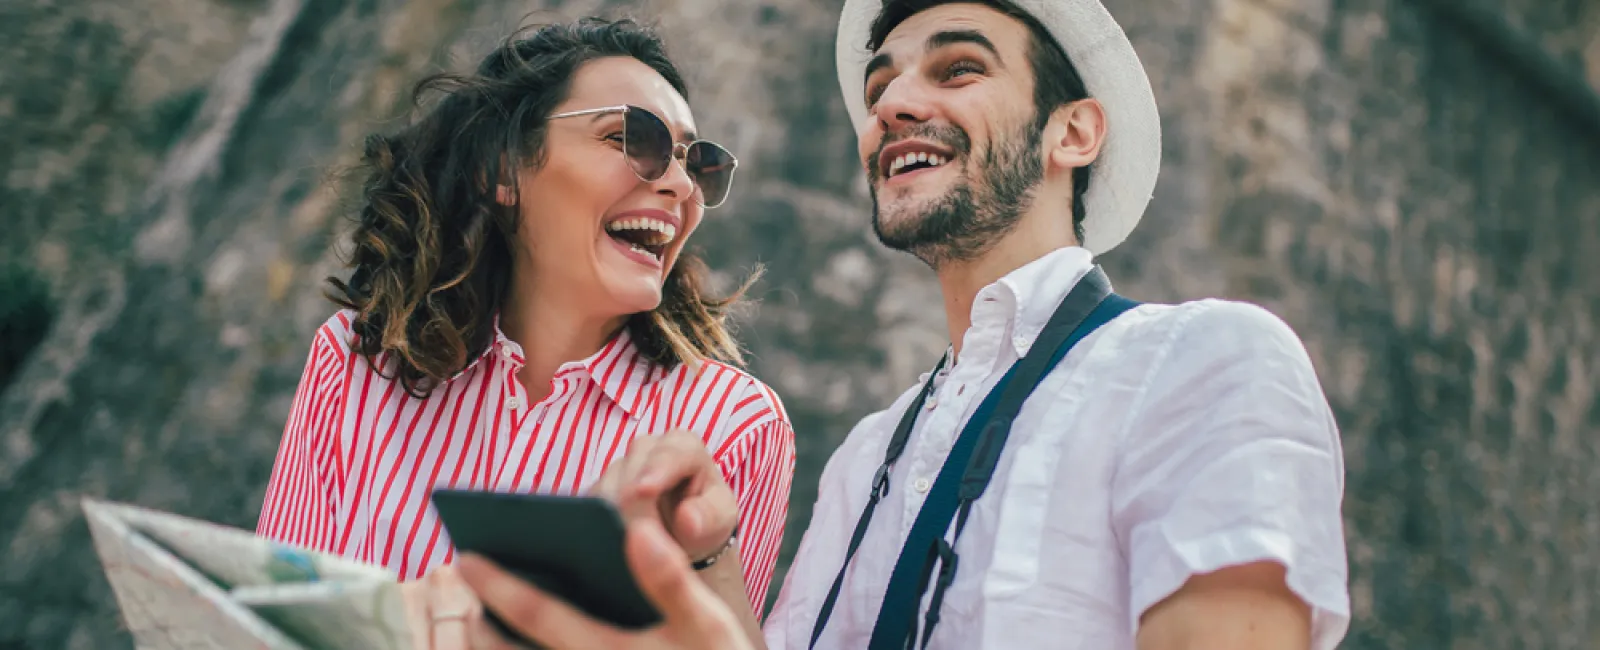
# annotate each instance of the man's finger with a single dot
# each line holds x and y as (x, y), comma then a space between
(452, 607)
(667, 581)
(533, 613)
(485, 637)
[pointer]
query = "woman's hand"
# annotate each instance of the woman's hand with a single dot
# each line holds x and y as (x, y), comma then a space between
(671, 478)
(442, 611)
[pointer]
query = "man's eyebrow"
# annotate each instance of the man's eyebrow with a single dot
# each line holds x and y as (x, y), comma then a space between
(878, 62)
(940, 39)
(958, 36)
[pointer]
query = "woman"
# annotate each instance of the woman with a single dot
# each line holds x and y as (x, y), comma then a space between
(522, 309)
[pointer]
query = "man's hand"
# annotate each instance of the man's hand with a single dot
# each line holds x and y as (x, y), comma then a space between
(1246, 607)
(694, 617)
(673, 478)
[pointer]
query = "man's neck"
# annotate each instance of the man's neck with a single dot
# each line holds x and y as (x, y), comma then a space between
(551, 333)
(960, 281)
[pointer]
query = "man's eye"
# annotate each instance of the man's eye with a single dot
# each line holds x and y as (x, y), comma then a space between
(873, 93)
(962, 67)
(614, 137)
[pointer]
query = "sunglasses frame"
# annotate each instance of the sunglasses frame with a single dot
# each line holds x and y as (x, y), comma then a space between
(672, 156)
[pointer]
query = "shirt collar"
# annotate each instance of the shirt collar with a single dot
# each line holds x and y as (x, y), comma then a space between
(620, 368)
(1028, 296)
(623, 372)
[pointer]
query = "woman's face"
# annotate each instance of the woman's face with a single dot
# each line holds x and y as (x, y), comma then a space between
(593, 235)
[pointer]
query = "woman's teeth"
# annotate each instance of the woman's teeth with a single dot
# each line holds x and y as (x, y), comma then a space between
(645, 235)
(650, 232)
(915, 161)
(645, 251)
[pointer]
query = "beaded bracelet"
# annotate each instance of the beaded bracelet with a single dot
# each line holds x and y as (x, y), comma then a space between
(701, 565)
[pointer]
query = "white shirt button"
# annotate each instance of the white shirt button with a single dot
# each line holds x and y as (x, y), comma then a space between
(505, 352)
(923, 484)
(933, 402)
(513, 403)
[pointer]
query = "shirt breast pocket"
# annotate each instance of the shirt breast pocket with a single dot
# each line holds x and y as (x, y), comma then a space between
(1025, 492)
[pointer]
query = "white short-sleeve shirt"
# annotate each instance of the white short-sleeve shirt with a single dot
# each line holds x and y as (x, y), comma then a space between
(1175, 440)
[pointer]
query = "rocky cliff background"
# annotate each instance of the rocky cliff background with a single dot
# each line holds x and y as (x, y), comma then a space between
(1414, 185)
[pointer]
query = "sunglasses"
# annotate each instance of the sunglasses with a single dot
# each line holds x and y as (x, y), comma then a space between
(648, 146)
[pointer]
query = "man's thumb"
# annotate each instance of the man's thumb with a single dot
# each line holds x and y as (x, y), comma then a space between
(688, 605)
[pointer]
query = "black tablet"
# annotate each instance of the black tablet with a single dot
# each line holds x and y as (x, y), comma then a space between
(570, 547)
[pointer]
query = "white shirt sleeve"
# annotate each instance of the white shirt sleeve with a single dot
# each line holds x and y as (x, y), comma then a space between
(1232, 456)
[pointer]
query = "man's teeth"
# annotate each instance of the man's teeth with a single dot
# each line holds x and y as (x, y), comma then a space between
(932, 160)
(663, 232)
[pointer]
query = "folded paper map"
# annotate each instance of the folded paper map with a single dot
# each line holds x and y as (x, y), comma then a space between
(185, 583)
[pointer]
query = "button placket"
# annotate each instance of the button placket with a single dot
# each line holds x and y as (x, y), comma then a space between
(912, 498)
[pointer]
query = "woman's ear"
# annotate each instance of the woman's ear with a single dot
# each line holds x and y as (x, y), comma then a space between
(505, 195)
(505, 189)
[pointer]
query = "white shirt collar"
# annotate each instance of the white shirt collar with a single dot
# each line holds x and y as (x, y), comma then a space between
(1026, 297)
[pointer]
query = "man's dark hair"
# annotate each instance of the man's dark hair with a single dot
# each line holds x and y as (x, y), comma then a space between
(1055, 80)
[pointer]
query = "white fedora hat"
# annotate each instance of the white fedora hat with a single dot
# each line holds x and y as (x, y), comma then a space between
(1124, 176)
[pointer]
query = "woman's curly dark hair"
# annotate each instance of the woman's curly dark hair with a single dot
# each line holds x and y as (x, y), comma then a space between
(432, 249)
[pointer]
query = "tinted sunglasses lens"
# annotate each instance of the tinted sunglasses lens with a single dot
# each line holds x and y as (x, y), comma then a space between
(647, 143)
(711, 166)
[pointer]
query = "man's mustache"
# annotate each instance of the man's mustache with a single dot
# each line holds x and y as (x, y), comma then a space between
(948, 135)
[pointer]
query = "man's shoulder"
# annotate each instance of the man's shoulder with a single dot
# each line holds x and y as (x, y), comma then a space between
(1214, 312)
(1216, 327)
(1209, 348)
(884, 418)
(869, 436)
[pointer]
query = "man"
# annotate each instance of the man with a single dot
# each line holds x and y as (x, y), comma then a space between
(1173, 482)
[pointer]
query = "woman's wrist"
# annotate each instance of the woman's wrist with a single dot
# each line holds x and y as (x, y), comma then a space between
(709, 560)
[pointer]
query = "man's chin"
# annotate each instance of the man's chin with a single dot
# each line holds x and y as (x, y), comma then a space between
(903, 211)
(905, 227)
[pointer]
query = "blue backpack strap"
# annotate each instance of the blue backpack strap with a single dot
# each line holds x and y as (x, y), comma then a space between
(971, 464)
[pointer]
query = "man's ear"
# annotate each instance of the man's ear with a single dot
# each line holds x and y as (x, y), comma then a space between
(1074, 135)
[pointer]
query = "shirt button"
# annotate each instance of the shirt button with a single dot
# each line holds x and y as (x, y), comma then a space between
(932, 403)
(513, 403)
(923, 484)
(505, 352)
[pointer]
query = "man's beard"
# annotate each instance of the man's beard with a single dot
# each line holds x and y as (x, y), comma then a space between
(970, 218)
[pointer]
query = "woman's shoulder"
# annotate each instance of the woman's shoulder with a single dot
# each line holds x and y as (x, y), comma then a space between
(738, 414)
(746, 393)
(336, 333)
(333, 346)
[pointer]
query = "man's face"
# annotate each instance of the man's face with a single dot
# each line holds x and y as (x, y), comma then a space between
(951, 150)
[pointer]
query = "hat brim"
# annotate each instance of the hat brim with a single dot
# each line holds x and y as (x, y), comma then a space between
(1124, 176)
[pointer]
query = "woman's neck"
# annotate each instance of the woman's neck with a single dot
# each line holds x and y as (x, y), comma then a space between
(550, 335)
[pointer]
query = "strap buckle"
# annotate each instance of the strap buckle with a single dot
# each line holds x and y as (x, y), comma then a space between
(880, 482)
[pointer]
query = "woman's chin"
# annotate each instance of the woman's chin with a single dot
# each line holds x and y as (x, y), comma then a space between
(632, 297)
(628, 282)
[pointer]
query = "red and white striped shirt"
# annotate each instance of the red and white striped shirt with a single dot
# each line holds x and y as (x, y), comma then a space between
(360, 457)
